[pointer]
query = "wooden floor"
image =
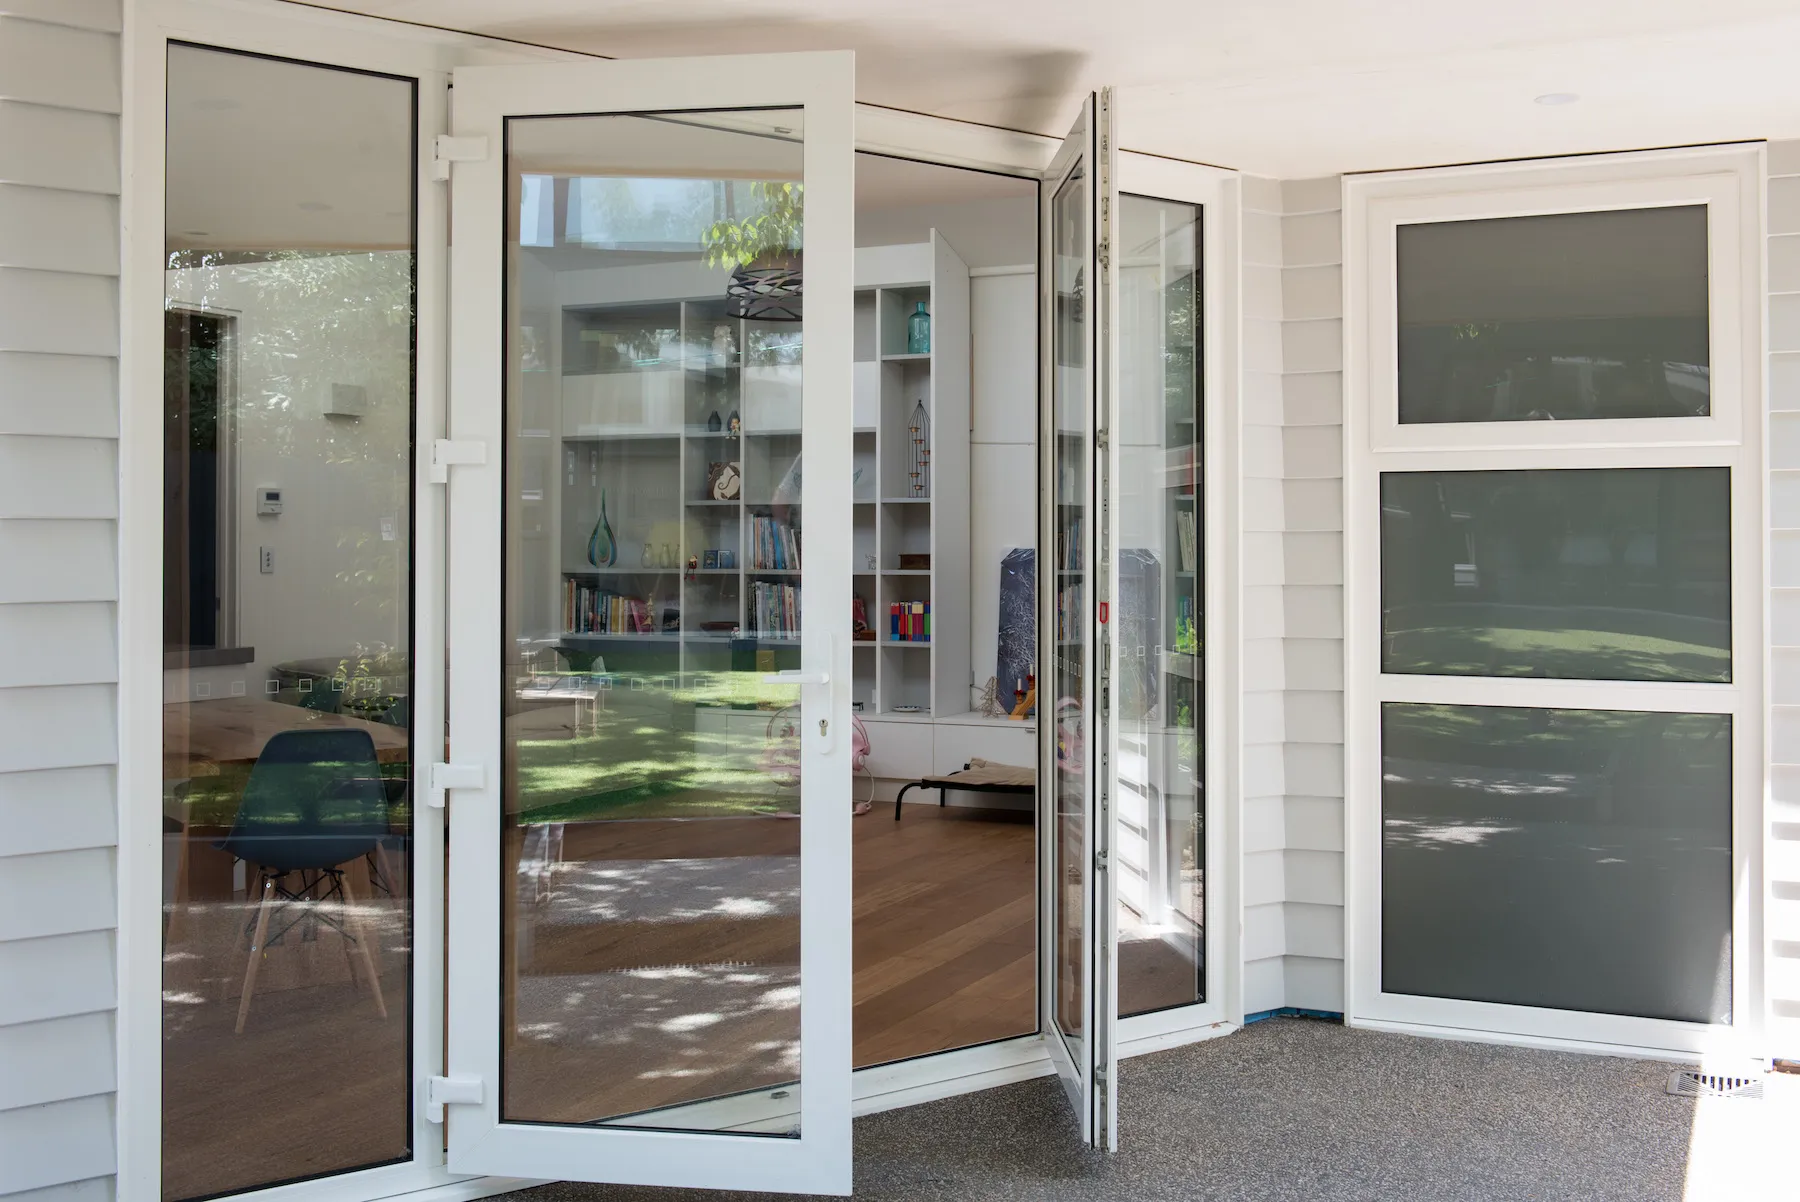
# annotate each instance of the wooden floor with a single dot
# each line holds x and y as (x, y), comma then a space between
(943, 932)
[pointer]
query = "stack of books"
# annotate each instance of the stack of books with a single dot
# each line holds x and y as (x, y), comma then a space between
(909, 622)
(774, 610)
(591, 610)
(774, 545)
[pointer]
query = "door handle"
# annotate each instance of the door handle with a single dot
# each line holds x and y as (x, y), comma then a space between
(795, 677)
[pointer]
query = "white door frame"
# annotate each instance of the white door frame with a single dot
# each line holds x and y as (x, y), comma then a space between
(1728, 180)
(332, 38)
(818, 1159)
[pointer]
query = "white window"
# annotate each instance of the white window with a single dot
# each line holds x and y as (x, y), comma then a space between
(1553, 576)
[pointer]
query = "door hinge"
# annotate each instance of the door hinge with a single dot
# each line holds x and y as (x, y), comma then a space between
(445, 777)
(450, 1091)
(446, 150)
(446, 453)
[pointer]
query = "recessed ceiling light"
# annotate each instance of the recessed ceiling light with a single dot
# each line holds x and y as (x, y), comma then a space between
(315, 206)
(197, 233)
(1554, 98)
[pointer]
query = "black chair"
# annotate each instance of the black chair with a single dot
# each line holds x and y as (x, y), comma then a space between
(315, 802)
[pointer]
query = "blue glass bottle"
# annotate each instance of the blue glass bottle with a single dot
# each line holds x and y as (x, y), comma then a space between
(918, 332)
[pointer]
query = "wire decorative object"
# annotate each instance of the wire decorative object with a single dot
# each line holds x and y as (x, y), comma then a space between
(919, 430)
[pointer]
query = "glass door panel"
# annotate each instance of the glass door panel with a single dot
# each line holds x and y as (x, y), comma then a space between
(1075, 917)
(670, 822)
(1161, 693)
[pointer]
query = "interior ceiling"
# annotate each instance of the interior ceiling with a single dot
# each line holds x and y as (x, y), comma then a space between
(1287, 88)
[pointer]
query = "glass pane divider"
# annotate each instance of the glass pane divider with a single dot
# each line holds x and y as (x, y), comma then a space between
(1537, 692)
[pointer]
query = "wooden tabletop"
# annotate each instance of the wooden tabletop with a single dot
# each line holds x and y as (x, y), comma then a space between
(198, 736)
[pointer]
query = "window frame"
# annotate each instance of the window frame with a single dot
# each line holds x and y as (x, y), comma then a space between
(1733, 270)
(1728, 181)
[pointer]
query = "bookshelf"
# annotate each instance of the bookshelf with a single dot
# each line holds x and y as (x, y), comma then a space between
(626, 400)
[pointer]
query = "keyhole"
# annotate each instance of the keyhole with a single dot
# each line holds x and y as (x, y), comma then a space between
(823, 724)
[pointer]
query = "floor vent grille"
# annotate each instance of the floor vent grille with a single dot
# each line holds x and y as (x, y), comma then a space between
(1692, 1083)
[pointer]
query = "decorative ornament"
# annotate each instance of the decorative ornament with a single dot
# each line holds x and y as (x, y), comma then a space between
(713, 424)
(989, 702)
(602, 548)
(648, 559)
(768, 289)
(723, 481)
(733, 424)
(919, 431)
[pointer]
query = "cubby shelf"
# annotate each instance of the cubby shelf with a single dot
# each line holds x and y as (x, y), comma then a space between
(627, 404)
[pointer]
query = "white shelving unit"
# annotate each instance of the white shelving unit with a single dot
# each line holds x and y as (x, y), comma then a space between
(622, 395)
(896, 512)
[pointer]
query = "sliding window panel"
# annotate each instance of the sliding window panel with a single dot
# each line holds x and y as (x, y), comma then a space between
(1555, 317)
(1566, 859)
(287, 612)
(1579, 574)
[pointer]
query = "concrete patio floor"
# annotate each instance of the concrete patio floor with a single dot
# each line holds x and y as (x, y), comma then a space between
(1291, 1109)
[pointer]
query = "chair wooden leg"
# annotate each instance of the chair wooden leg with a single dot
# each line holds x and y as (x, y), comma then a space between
(256, 950)
(360, 932)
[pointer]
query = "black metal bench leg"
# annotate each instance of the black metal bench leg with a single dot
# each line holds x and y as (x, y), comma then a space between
(910, 785)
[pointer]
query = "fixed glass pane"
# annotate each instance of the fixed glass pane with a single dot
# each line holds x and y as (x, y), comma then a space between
(1073, 420)
(1570, 859)
(1604, 574)
(1564, 316)
(650, 835)
(1159, 696)
(287, 556)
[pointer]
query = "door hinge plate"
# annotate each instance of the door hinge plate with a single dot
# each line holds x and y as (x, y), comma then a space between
(445, 777)
(446, 453)
(446, 149)
(450, 1091)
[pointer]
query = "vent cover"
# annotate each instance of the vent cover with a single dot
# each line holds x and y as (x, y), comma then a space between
(1692, 1083)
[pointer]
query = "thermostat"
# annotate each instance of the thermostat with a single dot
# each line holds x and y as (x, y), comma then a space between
(268, 500)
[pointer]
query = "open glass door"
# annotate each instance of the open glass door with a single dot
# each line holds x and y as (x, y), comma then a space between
(1076, 915)
(649, 958)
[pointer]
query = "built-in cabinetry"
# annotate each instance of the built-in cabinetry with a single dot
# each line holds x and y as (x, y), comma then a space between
(667, 521)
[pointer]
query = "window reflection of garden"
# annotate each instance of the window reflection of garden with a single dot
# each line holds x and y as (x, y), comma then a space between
(1621, 574)
(1579, 859)
(654, 937)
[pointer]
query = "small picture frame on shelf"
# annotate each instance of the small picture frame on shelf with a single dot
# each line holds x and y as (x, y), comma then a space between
(710, 560)
(728, 559)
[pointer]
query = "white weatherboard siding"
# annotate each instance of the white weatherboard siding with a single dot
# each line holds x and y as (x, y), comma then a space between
(1264, 560)
(59, 332)
(1293, 596)
(1312, 600)
(1782, 842)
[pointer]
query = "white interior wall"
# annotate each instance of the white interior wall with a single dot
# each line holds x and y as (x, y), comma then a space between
(59, 336)
(1782, 846)
(1001, 232)
(1003, 444)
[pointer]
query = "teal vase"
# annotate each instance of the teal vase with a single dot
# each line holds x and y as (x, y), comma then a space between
(603, 548)
(918, 332)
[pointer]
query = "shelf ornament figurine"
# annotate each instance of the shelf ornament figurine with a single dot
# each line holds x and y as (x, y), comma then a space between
(714, 423)
(919, 431)
(602, 548)
(918, 331)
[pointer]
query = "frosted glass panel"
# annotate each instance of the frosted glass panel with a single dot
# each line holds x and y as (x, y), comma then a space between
(1561, 317)
(1617, 574)
(1571, 859)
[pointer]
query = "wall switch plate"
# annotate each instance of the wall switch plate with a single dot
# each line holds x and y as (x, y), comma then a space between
(265, 560)
(268, 500)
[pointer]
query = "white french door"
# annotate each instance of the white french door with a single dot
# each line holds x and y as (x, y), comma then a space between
(1076, 896)
(649, 963)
